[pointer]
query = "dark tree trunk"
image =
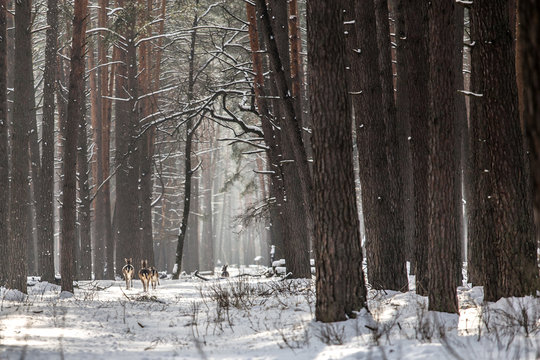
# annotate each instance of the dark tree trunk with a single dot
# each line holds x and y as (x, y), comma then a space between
(46, 241)
(276, 181)
(191, 251)
(403, 128)
(74, 113)
(146, 184)
(36, 210)
(84, 254)
(503, 223)
(127, 152)
(298, 193)
(190, 132)
(395, 189)
(104, 196)
(22, 114)
(461, 137)
(296, 214)
(386, 262)
(529, 66)
(340, 280)
(4, 160)
(416, 57)
(207, 240)
(443, 232)
(97, 167)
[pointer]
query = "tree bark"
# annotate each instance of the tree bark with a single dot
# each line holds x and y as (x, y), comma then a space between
(295, 174)
(127, 152)
(529, 72)
(276, 181)
(386, 263)
(340, 280)
(22, 113)
(190, 132)
(102, 202)
(443, 232)
(503, 224)
(84, 255)
(46, 242)
(416, 57)
(4, 159)
(403, 127)
(74, 113)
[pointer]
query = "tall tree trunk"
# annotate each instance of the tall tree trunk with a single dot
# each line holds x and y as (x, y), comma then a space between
(443, 171)
(403, 128)
(529, 66)
(46, 242)
(340, 280)
(461, 132)
(276, 181)
(84, 255)
(208, 171)
(395, 136)
(298, 193)
(97, 172)
(4, 160)
(190, 132)
(128, 244)
(385, 270)
(104, 196)
(503, 225)
(74, 113)
(22, 113)
(191, 251)
(416, 57)
(146, 141)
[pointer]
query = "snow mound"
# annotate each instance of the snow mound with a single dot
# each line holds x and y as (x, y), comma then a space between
(66, 295)
(14, 295)
(43, 287)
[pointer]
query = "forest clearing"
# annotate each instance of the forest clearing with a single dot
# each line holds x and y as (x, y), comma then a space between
(246, 317)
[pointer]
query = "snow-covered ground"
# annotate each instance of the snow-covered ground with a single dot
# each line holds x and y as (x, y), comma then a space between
(250, 317)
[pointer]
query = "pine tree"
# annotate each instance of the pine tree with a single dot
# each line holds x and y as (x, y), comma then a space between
(340, 280)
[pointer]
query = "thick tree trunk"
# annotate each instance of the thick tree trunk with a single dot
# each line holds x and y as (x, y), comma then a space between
(403, 127)
(74, 113)
(127, 152)
(461, 137)
(396, 159)
(22, 113)
(503, 224)
(46, 242)
(4, 160)
(529, 66)
(416, 57)
(443, 171)
(340, 280)
(386, 263)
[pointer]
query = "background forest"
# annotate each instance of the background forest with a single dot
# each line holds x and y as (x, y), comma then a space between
(200, 133)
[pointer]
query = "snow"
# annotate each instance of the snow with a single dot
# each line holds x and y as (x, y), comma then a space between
(254, 317)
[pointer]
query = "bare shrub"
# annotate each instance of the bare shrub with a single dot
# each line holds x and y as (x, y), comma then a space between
(331, 334)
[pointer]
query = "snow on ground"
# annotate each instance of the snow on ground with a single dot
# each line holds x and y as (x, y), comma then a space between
(250, 317)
